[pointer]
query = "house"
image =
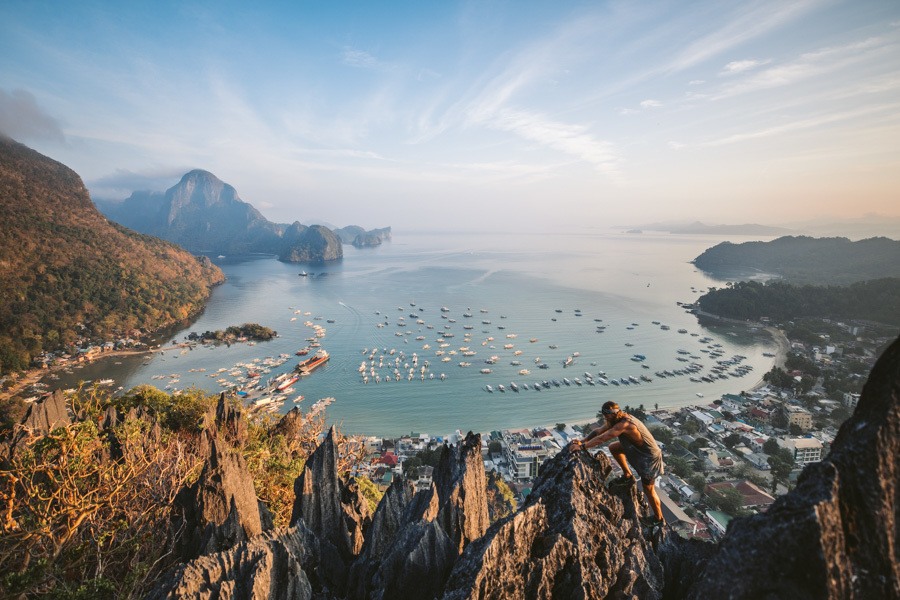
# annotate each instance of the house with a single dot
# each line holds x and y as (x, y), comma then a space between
(753, 496)
(675, 517)
(799, 416)
(806, 450)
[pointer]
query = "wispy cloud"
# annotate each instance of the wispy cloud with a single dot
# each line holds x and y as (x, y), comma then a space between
(359, 58)
(808, 65)
(755, 21)
(739, 66)
(651, 104)
(22, 118)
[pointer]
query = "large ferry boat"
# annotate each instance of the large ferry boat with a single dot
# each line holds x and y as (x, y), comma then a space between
(305, 367)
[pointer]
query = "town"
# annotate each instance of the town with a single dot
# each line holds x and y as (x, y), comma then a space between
(731, 457)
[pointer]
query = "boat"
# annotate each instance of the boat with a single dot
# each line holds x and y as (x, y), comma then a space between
(489, 389)
(513, 386)
(303, 273)
(501, 387)
(287, 383)
(302, 351)
(311, 364)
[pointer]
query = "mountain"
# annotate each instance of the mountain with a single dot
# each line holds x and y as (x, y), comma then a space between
(203, 214)
(359, 237)
(200, 213)
(313, 244)
(68, 274)
(701, 228)
(801, 259)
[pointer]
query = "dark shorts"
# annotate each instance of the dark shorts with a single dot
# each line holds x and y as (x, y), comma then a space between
(648, 465)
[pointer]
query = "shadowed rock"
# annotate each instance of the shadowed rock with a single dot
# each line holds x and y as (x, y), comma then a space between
(462, 491)
(230, 422)
(40, 419)
(386, 525)
(220, 509)
(571, 539)
(272, 566)
(290, 424)
(836, 534)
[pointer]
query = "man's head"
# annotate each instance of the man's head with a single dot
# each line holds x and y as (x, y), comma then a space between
(610, 411)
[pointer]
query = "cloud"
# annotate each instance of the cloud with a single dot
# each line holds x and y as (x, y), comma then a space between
(21, 118)
(651, 104)
(696, 82)
(739, 66)
(569, 139)
(360, 59)
(122, 183)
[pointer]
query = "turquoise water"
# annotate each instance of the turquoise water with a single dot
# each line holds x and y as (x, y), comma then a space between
(620, 282)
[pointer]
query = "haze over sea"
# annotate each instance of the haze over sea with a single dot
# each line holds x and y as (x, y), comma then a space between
(619, 282)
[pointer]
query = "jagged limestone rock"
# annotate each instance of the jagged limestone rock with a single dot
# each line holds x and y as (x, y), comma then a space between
(462, 490)
(836, 534)
(39, 420)
(220, 509)
(417, 565)
(270, 567)
(315, 244)
(571, 539)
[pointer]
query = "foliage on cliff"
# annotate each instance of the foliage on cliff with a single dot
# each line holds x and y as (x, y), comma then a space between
(86, 509)
(876, 300)
(250, 331)
(801, 259)
(67, 273)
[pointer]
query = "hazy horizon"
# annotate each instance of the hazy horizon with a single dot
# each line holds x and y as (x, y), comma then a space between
(471, 116)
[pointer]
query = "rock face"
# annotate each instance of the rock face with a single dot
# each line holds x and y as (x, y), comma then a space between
(571, 539)
(316, 244)
(40, 419)
(359, 237)
(221, 509)
(836, 534)
(200, 213)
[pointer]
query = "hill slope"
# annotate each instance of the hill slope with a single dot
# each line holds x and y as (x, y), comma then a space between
(67, 273)
(804, 259)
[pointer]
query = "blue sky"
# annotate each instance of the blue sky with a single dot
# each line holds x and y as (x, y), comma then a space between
(481, 115)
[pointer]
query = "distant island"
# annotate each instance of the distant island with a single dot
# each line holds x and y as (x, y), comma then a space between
(801, 259)
(235, 333)
(203, 214)
(701, 228)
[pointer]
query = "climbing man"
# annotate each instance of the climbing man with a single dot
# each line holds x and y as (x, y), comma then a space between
(636, 446)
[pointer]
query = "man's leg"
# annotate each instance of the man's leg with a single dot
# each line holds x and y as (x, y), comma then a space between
(619, 454)
(650, 489)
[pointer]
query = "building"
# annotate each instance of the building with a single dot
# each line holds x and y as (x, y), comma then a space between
(799, 416)
(806, 450)
(851, 400)
(524, 454)
(675, 517)
(753, 496)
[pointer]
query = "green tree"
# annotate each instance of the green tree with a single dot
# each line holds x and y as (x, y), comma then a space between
(662, 434)
(728, 500)
(690, 427)
(560, 426)
(680, 466)
(370, 492)
(731, 440)
(781, 471)
(770, 446)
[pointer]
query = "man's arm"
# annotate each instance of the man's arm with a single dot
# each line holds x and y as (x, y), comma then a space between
(604, 434)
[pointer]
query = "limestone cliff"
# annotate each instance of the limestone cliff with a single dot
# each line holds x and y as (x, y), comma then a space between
(314, 244)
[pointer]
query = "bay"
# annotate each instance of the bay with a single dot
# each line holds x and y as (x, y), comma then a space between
(590, 297)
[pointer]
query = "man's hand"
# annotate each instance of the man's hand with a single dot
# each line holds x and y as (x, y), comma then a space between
(576, 445)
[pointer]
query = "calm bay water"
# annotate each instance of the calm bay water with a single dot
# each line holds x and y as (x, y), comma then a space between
(555, 289)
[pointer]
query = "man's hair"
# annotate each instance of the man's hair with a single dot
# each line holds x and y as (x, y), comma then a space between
(610, 408)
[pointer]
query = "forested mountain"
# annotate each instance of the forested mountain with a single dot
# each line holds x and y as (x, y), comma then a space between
(876, 300)
(67, 273)
(808, 260)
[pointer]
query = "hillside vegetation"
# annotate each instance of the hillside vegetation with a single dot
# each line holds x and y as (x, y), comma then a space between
(876, 300)
(69, 274)
(822, 261)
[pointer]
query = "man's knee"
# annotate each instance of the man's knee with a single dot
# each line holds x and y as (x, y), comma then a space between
(616, 448)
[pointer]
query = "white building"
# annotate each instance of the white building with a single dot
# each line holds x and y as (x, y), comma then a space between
(851, 400)
(805, 450)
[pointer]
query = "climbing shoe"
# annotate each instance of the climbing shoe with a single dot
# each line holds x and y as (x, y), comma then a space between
(652, 522)
(621, 482)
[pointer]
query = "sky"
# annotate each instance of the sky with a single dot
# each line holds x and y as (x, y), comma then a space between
(483, 116)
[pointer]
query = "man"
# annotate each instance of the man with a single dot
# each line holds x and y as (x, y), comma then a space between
(636, 446)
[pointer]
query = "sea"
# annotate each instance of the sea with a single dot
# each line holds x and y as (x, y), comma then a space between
(581, 304)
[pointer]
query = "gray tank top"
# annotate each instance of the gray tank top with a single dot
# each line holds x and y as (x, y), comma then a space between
(649, 446)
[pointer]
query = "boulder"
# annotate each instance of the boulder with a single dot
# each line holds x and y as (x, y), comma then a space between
(45, 415)
(571, 539)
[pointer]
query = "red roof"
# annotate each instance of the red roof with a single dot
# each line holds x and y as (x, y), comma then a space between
(388, 458)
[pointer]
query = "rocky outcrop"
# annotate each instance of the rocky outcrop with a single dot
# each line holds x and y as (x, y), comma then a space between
(40, 418)
(220, 509)
(571, 539)
(359, 237)
(836, 534)
(227, 421)
(316, 244)
(271, 566)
